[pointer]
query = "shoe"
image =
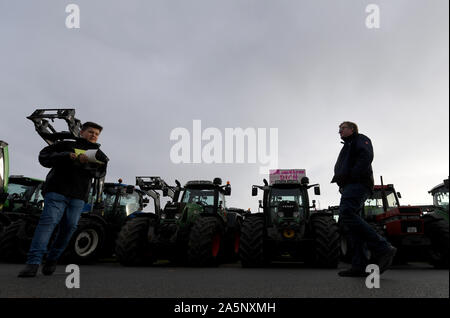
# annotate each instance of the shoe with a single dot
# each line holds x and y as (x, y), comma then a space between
(384, 260)
(353, 273)
(30, 270)
(49, 267)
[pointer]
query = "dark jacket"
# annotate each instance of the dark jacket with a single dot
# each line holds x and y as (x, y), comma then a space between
(67, 176)
(354, 164)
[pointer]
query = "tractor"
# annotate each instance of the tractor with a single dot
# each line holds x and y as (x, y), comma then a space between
(436, 225)
(287, 229)
(407, 228)
(193, 229)
(100, 224)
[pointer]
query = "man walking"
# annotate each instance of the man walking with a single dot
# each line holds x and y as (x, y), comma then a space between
(354, 176)
(65, 191)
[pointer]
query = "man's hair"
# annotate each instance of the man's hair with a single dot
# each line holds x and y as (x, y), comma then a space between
(352, 126)
(90, 124)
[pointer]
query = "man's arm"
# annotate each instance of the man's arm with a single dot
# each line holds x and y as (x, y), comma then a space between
(55, 154)
(364, 158)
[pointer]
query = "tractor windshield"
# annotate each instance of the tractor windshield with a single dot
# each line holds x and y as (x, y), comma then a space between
(279, 195)
(20, 194)
(374, 204)
(441, 199)
(129, 202)
(203, 197)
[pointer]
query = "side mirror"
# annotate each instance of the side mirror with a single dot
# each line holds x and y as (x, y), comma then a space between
(317, 190)
(399, 195)
(165, 192)
(254, 192)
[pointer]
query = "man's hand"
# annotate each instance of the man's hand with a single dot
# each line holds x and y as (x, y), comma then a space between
(81, 157)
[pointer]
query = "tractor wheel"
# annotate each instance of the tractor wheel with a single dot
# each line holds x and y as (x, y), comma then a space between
(132, 245)
(326, 241)
(251, 249)
(437, 230)
(86, 242)
(205, 242)
(16, 240)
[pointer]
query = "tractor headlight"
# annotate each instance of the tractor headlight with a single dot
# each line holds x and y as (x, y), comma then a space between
(296, 214)
(177, 216)
(163, 216)
(280, 214)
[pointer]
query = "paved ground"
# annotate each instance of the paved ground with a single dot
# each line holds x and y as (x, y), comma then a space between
(109, 279)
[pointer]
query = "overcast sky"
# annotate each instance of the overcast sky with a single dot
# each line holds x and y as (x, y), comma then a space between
(144, 68)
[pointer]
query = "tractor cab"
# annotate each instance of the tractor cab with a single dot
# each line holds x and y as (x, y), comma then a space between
(383, 198)
(440, 195)
(24, 195)
(285, 200)
(206, 196)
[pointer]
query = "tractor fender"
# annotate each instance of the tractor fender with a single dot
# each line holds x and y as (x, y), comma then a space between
(96, 217)
(434, 216)
(217, 216)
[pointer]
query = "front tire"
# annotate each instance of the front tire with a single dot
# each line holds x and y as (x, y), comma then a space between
(86, 243)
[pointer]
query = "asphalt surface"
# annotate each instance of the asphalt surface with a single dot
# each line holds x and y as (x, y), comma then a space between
(110, 279)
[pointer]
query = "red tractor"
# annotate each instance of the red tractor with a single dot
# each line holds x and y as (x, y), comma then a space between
(403, 226)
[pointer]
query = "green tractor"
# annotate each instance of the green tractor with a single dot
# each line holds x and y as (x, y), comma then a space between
(195, 228)
(287, 229)
(436, 225)
(20, 215)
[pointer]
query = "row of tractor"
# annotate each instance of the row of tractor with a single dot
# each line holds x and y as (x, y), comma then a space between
(197, 228)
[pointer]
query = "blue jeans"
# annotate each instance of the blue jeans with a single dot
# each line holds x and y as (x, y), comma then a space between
(360, 234)
(58, 209)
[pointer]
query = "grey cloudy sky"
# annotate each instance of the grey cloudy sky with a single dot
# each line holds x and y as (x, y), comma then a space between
(143, 68)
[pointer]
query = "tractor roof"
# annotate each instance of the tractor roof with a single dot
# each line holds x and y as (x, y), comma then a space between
(200, 184)
(439, 188)
(20, 179)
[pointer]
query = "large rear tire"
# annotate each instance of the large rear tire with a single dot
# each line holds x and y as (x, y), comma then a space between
(132, 245)
(205, 242)
(437, 230)
(326, 241)
(16, 240)
(251, 249)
